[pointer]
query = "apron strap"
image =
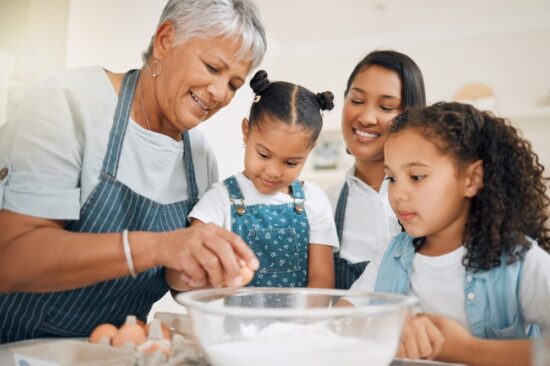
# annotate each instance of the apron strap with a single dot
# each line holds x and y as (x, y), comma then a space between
(190, 170)
(340, 211)
(120, 122)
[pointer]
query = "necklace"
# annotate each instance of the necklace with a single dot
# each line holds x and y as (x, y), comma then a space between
(142, 106)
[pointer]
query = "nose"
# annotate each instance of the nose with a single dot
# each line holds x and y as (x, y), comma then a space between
(273, 170)
(218, 90)
(398, 193)
(368, 116)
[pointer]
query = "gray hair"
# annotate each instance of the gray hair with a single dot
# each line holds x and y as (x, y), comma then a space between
(228, 18)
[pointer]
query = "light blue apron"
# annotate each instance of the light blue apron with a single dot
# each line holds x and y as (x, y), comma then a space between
(345, 272)
(277, 233)
(112, 207)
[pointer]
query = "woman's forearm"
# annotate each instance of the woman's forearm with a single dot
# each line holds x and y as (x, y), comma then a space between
(45, 258)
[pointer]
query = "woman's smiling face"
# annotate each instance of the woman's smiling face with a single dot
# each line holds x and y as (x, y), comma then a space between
(197, 78)
(373, 100)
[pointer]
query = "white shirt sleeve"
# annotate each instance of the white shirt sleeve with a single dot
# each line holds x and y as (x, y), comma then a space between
(321, 219)
(43, 146)
(535, 287)
(214, 207)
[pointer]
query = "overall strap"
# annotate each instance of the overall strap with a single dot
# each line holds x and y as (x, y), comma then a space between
(190, 170)
(298, 195)
(235, 194)
(120, 122)
(341, 211)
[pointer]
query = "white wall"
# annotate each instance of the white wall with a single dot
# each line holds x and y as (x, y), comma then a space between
(514, 64)
(33, 37)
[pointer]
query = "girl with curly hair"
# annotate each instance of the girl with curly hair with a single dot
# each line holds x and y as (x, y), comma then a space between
(471, 195)
(287, 223)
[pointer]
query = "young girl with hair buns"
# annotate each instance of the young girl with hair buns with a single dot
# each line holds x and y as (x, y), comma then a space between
(287, 223)
(472, 198)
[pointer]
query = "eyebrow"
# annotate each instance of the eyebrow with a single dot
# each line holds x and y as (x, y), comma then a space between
(385, 96)
(410, 165)
(286, 158)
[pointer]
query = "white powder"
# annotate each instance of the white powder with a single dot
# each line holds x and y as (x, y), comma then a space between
(288, 344)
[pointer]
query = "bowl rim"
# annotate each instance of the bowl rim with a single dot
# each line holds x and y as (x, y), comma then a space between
(189, 300)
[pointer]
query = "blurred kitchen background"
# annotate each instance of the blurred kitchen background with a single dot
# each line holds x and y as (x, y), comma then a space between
(495, 50)
(498, 50)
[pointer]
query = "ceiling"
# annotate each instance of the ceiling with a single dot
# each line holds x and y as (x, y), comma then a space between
(300, 24)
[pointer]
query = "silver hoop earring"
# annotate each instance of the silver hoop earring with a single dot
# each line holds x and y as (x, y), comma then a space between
(155, 67)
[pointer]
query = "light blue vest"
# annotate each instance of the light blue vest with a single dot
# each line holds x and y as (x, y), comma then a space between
(491, 298)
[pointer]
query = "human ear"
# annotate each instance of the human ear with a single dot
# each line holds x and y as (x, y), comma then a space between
(164, 40)
(246, 129)
(474, 178)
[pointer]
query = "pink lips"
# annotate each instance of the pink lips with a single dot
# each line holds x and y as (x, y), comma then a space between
(406, 216)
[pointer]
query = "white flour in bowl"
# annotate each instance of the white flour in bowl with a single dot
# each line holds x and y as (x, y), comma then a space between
(292, 344)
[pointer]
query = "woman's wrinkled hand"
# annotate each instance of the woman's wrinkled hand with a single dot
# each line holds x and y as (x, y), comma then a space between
(206, 255)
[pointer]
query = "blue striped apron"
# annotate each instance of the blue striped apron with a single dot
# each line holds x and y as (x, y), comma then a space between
(111, 207)
(345, 272)
(277, 233)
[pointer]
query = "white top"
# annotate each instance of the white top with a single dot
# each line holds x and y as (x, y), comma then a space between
(215, 207)
(55, 145)
(369, 223)
(438, 282)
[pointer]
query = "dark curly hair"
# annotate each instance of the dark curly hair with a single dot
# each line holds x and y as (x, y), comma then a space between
(512, 203)
(288, 103)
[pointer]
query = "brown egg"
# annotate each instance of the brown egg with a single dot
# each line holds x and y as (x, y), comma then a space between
(129, 333)
(141, 324)
(165, 330)
(103, 331)
(247, 274)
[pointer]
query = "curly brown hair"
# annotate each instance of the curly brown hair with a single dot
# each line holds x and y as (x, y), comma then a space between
(513, 204)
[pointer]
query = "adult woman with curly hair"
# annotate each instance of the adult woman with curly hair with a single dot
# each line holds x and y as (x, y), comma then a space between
(471, 196)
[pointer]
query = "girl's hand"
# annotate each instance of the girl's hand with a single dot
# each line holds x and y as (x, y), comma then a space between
(461, 342)
(206, 255)
(420, 338)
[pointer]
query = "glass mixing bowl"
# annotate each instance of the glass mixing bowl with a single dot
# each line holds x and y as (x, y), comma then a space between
(296, 327)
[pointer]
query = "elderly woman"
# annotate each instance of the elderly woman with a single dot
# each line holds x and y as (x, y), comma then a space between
(99, 171)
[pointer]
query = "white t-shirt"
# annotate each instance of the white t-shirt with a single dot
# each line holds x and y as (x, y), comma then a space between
(438, 282)
(215, 207)
(369, 222)
(55, 145)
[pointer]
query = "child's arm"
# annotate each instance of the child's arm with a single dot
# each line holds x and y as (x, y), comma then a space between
(431, 336)
(320, 266)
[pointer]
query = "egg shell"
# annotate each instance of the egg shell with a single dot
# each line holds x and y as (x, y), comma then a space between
(247, 274)
(102, 331)
(166, 334)
(129, 333)
(153, 346)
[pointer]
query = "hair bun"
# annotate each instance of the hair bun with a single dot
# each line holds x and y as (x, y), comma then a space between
(326, 100)
(259, 82)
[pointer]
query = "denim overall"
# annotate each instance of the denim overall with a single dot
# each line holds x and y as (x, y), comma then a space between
(345, 272)
(491, 298)
(112, 207)
(278, 235)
